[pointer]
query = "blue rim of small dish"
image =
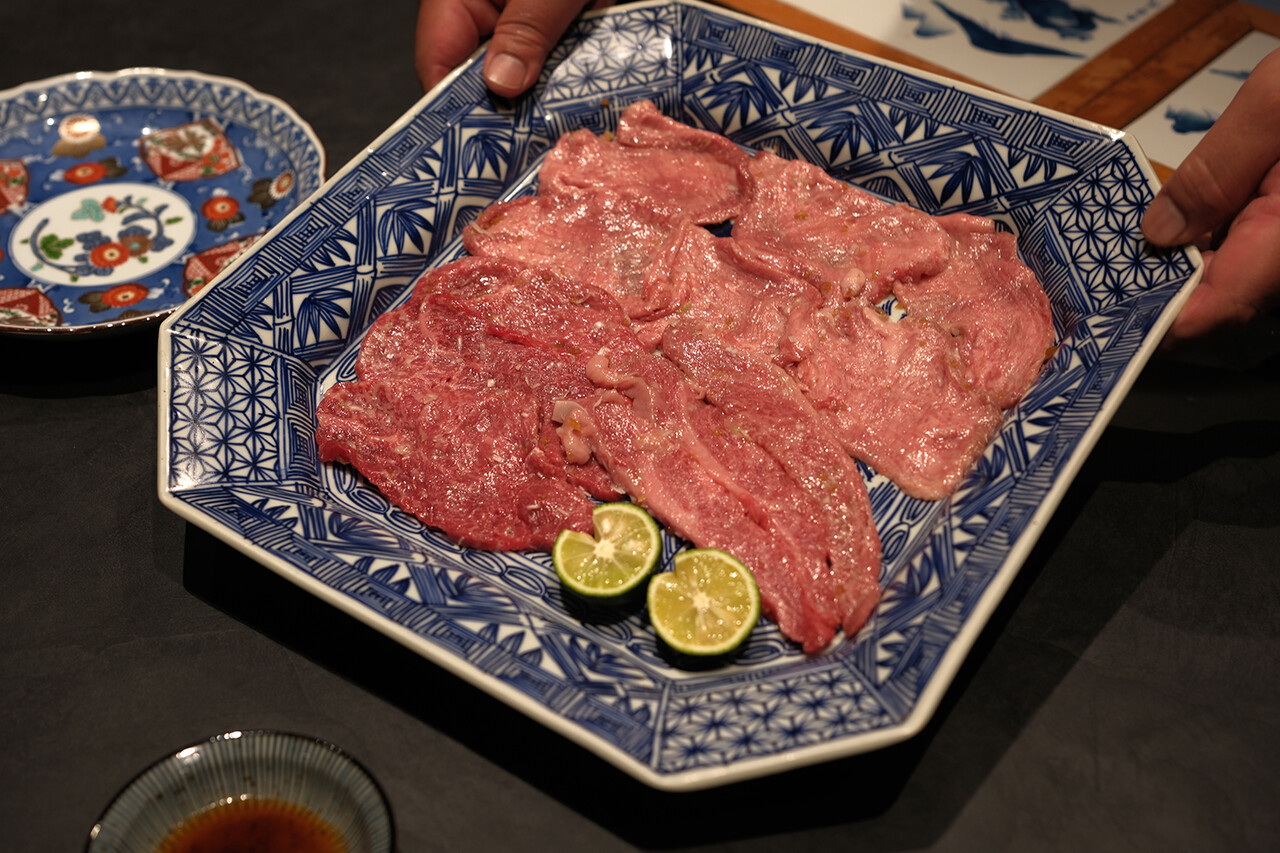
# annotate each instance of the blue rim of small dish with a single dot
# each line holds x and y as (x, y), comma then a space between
(98, 138)
(130, 803)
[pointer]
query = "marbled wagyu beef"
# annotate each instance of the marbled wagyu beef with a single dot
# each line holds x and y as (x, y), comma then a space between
(603, 342)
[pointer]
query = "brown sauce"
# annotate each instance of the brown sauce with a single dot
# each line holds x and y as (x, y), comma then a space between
(254, 826)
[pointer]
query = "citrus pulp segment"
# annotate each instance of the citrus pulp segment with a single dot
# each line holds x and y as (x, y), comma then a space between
(706, 605)
(624, 551)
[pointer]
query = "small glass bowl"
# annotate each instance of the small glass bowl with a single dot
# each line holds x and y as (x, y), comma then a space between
(289, 768)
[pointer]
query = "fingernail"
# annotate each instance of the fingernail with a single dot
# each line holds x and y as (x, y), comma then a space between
(1164, 222)
(505, 71)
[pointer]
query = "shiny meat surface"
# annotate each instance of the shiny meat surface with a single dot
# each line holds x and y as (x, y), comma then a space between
(602, 341)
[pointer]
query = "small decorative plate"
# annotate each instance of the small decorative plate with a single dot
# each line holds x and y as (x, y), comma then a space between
(244, 365)
(123, 193)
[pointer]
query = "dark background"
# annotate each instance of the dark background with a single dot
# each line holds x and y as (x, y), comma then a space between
(1123, 697)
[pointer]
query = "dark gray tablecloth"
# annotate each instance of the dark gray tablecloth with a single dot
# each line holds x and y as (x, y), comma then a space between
(1124, 696)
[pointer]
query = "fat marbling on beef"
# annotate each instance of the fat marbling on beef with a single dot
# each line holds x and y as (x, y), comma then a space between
(606, 207)
(956, 272)
(453, 424)
(477, 399)
(707, 466)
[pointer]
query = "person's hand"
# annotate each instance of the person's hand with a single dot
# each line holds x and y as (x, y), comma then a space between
(1225, 197)
(523, 31)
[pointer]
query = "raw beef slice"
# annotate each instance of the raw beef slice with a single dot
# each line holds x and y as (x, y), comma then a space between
(445, 433)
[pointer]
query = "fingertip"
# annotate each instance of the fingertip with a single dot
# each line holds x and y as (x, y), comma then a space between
(524, 33)
(1164, 222)
(506, 74)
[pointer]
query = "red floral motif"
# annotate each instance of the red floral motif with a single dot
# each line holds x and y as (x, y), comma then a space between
(222, 212)
(120, 296)
(108, 255)
(220, 207)
(109, 204)
(86, 173)
(124, 294)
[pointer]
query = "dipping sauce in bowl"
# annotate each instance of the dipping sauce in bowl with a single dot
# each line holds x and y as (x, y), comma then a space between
(250, 826)
(249, 791)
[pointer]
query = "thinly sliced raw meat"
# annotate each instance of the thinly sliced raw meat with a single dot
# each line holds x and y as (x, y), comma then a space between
(549, 370)
(647, 428)
(605, 208)
(993, 305)
(668, 168)
(835, 234)
(449, 427)
(552, 231)
(711, 281)
(603, 342)
(643, 125)
(889, 393)
(762, 401)
(669, 450)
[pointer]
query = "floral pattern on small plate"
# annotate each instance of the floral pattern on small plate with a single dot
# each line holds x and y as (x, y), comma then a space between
(111, 183)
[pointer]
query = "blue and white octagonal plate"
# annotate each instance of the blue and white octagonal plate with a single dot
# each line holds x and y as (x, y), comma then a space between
(243, 365)
(123, 193)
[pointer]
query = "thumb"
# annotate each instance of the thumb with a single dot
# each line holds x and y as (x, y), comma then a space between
(1219, 177)
(522, 38)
